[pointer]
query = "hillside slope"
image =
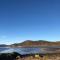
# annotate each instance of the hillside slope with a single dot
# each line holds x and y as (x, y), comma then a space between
(36, 43)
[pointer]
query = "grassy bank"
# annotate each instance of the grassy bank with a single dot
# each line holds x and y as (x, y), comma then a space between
(8, 56)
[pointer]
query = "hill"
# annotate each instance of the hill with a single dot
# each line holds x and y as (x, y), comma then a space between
(29, 43)
(3, 45)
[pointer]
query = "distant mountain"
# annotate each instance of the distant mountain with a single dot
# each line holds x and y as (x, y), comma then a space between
(3, 45)
(31, 43)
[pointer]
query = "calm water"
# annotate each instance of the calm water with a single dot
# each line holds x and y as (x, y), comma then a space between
(20, 50)
(27, 50)
(3, 48)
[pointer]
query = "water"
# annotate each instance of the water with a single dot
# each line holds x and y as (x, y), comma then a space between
(3, 48)
(28, 50)
(22, 51)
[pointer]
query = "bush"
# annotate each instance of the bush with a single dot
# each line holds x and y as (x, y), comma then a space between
(8, 56)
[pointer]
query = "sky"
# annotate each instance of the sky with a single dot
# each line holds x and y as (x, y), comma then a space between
(22, 20)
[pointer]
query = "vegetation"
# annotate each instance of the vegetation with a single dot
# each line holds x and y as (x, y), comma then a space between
(36, 43)
(8, 56)
(29, 43)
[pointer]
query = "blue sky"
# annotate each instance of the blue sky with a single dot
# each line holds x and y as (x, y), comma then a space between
(29, 20)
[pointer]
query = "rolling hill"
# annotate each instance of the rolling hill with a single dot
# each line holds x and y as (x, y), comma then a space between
(30, 43)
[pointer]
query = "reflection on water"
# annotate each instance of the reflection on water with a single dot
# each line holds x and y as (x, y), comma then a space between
(28, 50)
(20, 50)
(3, 48)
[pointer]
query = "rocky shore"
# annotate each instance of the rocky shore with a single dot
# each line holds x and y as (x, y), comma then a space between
(16, 56)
